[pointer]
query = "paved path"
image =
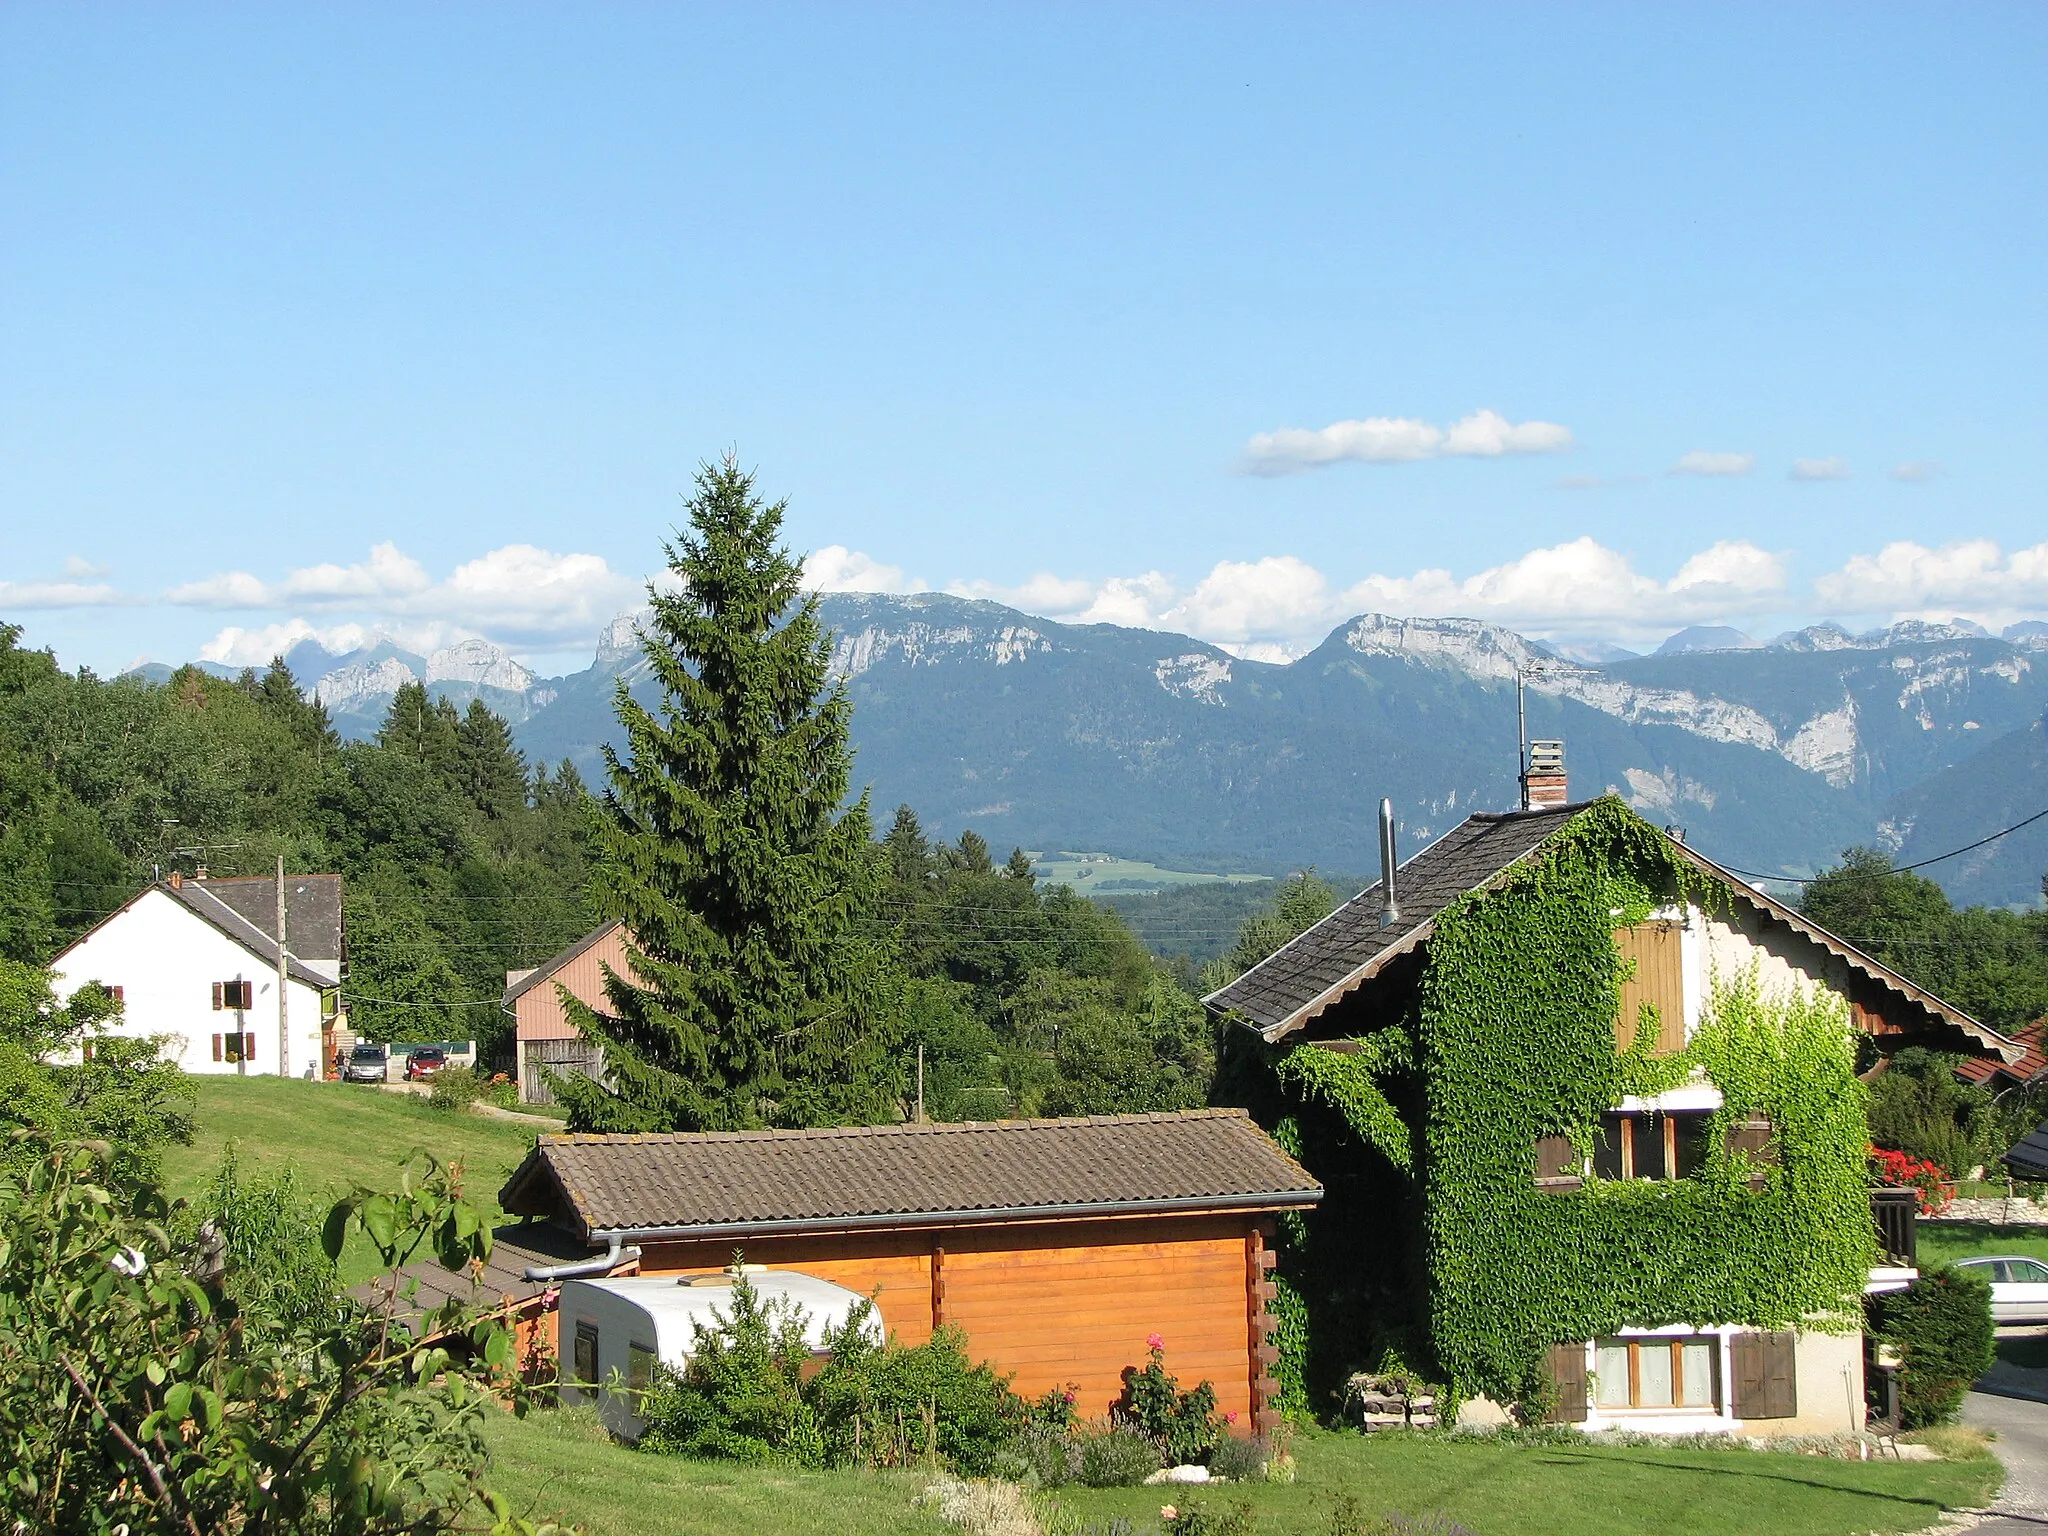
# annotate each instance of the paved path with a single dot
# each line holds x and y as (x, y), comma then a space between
(2022, 1444)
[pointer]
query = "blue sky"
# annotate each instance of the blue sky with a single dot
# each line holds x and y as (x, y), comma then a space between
(415, 320)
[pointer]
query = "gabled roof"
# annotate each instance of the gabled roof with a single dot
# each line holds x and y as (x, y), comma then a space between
(758, 1182)
(515, 1248)
(545, 971)
(1347, 949)
(193, 896)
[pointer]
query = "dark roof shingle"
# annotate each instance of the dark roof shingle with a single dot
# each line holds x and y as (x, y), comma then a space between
(515, 1248)
(868, 1176)
(1305, 976)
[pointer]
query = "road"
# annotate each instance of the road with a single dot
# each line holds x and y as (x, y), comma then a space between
(2022, 1444)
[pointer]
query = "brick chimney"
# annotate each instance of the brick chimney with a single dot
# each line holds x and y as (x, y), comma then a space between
(1543, 786)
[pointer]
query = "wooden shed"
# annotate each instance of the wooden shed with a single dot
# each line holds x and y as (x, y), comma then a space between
(1056, 1246)
(544, 1035)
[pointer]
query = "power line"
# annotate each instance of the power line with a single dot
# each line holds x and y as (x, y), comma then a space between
(1899, 870)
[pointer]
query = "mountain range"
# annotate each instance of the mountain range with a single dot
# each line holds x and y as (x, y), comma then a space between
(1774, 757)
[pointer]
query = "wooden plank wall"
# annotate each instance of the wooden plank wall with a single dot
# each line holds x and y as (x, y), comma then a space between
(1054, 1303)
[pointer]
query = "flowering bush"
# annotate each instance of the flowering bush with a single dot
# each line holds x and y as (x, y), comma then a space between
(1900, 1170)
(1184, 1425)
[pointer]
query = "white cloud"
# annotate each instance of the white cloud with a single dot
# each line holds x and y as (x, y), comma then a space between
(1046, 594)
(1279, 598)
(81, 569)
(239, 647)
(1830, 468)
(1916, 471)
(1703, 461)
(58, 594)
(1398, 440)
(835, 568)
(1971, 579)
(519, 592)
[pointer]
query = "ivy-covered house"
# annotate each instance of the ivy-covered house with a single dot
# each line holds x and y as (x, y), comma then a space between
(1588, 1114)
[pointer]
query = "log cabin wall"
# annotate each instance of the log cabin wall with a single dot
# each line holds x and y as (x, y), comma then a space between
(1054, 1303)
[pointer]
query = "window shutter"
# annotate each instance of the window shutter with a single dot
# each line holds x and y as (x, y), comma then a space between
(218, 1003)
(1658, 979)
(1766, 1376)
(248, 1047)
(1566, 1364)
(1559, 1168)
(1753, 1136)
(216, 1047)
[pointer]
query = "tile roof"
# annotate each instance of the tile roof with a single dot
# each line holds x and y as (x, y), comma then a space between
(2033, 1060)
(894, 1175)
(514, 1248)
(1346, 948)
(1349, 947)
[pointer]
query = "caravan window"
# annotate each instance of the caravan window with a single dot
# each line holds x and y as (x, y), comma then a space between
(583, 1364)
(639, 1367)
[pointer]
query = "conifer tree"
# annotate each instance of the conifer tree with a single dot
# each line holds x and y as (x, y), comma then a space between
(757, 994)
(493, 771)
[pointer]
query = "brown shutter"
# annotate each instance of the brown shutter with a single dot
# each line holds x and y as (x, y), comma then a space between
(1766, 1376)
(1753, 1136)
(1559, 1168)
(1566, 1364)
(1656, 980)
(216, 1047)
(249, 1047)
(218, 1002)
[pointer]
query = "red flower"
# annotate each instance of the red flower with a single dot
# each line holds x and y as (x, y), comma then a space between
(1153, 1341)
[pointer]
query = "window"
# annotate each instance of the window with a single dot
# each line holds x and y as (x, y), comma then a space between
(584, 1361)
(1655, 1144)
(234, 994)
(1656, 981)
(639, 1367)
(235, 1047)
(1657, 1373)
(2021, 1272)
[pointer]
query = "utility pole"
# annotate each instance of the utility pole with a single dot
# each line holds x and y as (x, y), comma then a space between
(284, 1031)
(920, 1082)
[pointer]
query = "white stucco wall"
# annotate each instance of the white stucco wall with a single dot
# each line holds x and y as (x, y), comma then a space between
(165, 959)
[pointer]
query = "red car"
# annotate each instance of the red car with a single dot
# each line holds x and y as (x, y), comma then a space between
(425, 1063)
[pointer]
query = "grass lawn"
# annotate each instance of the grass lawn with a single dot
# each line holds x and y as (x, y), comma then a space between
(341, 1135)
(560, 1464)
(1943, 1242)
(1567, 1490)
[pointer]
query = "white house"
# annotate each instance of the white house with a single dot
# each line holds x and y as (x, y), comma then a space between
(196, 961)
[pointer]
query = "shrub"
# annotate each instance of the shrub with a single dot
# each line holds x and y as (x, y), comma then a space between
(1941, 1327)
(455, 1088)
(1194, 1519)
(1901, 1171)
(748, 1393)
(263, 1229)
(1042, 1456)
(1116, 1456)
(1183, 1425)
(1241, 1461)
(1348, 1518)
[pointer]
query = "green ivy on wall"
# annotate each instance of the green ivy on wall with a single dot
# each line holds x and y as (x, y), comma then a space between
(1509, 1037)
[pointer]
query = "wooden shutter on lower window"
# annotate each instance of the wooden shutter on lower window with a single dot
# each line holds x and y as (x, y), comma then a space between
(1753, 1136)
(1559, 1168)
(249, 1047)
(216, 1047)
(1566, 1364)
(1658, 979)
(1766, 1375)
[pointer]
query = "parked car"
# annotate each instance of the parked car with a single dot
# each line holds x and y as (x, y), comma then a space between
(424, 1063)
(367, 1063)
(2019, 1287)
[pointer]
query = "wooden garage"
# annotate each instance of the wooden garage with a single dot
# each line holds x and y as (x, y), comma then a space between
(1056, 1246)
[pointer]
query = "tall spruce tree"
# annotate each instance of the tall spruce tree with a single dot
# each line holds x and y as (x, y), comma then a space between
(758, 994)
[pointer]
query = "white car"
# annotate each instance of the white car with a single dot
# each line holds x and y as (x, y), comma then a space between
(2019, 1287)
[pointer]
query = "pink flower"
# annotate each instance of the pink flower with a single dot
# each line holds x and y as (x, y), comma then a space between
(1168, 1512)
(1230, 1417)
(1153, 1341)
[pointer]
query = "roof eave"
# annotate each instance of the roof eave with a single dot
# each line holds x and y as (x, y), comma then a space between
(1276, 1200)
